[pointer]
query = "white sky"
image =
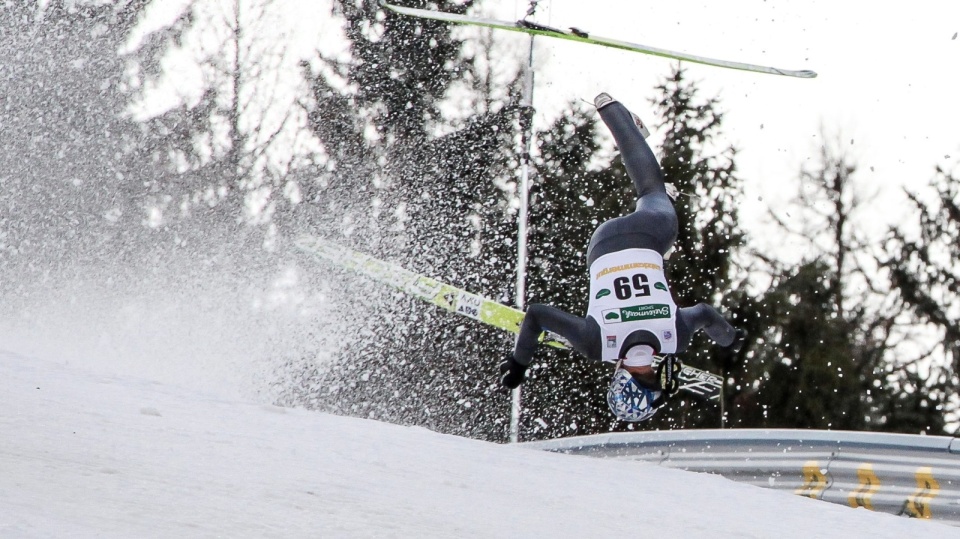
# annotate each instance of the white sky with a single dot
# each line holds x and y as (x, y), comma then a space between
(108, 455)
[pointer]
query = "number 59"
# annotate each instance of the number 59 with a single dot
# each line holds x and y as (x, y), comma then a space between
(623, 290)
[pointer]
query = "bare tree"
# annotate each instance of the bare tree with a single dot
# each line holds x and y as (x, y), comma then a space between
(922, 259)
(228, 139)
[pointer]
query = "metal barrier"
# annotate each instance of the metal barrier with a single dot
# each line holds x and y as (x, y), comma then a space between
(917, 476)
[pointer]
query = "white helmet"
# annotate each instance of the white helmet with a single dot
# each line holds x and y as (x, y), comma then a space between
(630, 401)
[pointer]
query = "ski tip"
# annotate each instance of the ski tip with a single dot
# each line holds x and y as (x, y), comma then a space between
(801, 74)
(804, 74)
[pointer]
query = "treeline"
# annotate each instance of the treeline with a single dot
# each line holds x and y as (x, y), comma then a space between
(858, 334)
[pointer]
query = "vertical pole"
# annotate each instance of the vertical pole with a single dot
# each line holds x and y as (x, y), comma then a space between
(723, 401)
(526, 126)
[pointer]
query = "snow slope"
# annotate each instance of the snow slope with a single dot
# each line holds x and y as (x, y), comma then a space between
(88, 455)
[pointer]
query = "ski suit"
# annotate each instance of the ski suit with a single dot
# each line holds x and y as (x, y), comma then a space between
(630, 301)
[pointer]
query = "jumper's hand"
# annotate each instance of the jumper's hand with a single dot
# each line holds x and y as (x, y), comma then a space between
(738, 339)
(513, 373)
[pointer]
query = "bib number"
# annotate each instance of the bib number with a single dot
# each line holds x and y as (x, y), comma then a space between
(623, 289)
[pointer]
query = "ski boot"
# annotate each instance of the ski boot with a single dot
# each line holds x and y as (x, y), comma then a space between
(604, 99)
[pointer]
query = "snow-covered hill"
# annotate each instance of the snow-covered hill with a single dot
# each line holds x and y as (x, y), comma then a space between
(88, 455)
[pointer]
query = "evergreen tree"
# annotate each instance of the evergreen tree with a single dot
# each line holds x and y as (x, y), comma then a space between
(435, 204)
(923, 271)
(810, 378)
(822, 362)
(375, 114)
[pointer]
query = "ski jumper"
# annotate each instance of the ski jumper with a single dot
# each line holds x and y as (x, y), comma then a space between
(629, 294)
(630, 300)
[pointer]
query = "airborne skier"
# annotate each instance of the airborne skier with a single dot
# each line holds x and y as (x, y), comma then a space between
(631, 315)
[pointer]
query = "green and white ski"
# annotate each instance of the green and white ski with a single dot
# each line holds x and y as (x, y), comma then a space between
(574, 34)
(462, 302)
(442, 295)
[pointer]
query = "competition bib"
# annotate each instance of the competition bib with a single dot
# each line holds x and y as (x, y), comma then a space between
(628, 292)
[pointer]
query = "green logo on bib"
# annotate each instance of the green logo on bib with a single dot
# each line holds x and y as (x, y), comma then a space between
(636, 313)
(645, 312)
(660, 286)
(602, 293)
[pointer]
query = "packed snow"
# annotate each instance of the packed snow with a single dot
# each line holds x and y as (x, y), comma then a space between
(89, 455)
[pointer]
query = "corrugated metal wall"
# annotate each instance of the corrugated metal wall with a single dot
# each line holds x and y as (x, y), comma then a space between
(916, 476)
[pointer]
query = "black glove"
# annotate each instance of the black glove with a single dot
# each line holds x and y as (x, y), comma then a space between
(738, 339)
(668, 375)
(513, 373)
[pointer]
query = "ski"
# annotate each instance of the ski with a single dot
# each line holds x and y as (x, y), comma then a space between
(459, 301)
(575, 34)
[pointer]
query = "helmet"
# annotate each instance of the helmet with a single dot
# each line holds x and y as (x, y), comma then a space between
(630, 401)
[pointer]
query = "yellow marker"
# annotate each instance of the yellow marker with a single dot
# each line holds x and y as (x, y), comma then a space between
(814, 481)
(918, 505)
(862, 496)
